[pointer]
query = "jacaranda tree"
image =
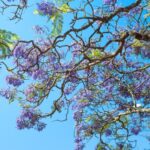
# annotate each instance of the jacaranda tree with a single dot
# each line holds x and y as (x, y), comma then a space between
(95, 57)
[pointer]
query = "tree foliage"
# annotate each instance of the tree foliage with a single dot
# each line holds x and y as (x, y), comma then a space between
(98, 66)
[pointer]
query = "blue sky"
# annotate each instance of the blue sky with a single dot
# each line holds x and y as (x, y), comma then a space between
(57, 135)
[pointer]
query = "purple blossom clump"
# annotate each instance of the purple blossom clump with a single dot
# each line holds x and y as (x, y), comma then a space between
(68, 90)
(79, 143)
(39, 74)
(38, 29)
(26, 56)
(46, 8)
(108, 2)
(84, 94)
(31, 94)
(40, 126)
(77, 116)
(80, 127)
(136, 10)
(136, 130)
(108, 132)
(19, 51)
(14, 80)
(78, 139)
(79, 147)
(29, 118)
(8, 94)
(145, 53)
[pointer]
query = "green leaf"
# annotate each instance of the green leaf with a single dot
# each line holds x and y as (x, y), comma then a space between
(65, 8)
(40, 93)
(83, 101)
(137, 43)
(7, 40)
(57, 25)
(88, 119)
(96, 53)
(35, 12)
(99, 147)
(11, 100)
(147, 15)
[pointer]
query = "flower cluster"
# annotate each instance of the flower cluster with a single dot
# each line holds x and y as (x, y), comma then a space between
(108, 132)
(135, 130)
(39, 74)
(26, 56)
(79, 138)
(29, 118)
(136, 10)
(108, 2)
(32, 94)
(144, 52)
(46, 8)
(19, 51)
(14, 80)
(77, 116)
(8, 93)
(38, 29)
(81, 101)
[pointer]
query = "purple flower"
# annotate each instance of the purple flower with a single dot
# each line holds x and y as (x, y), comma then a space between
(136, 10)
(29, 118)
(81, 127)
(108, 132)
(79, 146)
(108, 2)
(19, 51)
(39, 74)
(145, 53)
(68, 90)
(77, 116)
(78, 139)
(40, 126)
(38, 29)
(46, 8)
(14, 80)
(8, 94)
(31, 94)
(136, 130)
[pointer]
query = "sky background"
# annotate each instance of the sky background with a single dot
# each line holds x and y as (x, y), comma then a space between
(57, 135)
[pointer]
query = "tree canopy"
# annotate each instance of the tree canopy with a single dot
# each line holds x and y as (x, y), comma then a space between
(95, 57)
